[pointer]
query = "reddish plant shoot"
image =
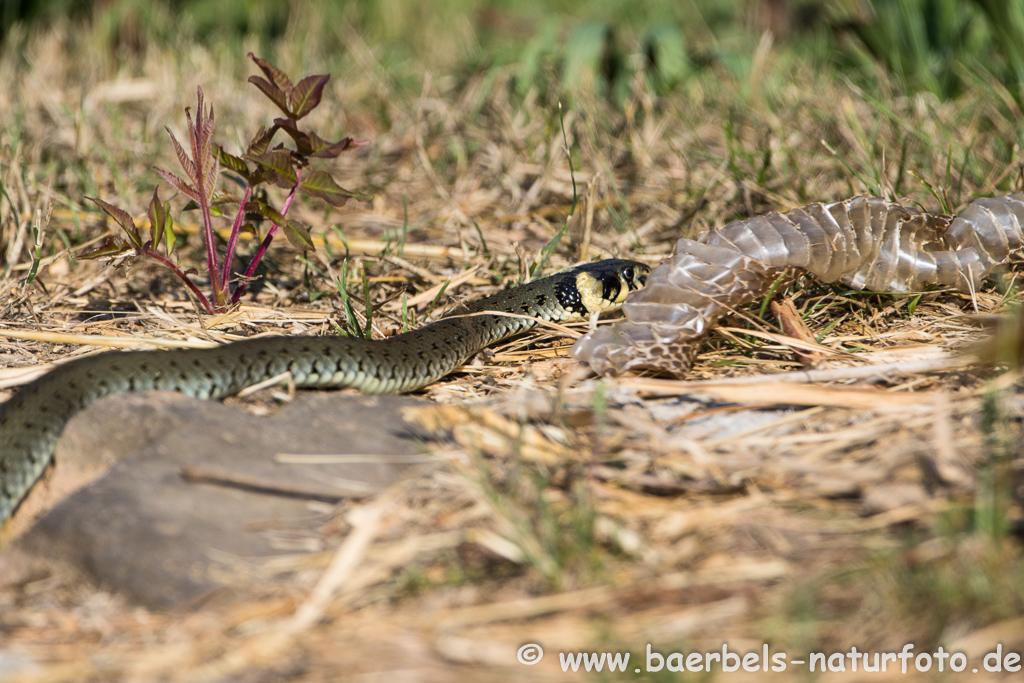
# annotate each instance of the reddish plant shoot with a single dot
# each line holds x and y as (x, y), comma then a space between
(202, 162)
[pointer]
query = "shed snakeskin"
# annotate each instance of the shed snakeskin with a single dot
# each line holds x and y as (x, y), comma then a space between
(864, 242)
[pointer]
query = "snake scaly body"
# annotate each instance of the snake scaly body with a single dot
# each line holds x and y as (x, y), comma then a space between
(32, 421)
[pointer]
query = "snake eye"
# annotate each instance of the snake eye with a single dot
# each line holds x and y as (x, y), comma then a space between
(628, 273)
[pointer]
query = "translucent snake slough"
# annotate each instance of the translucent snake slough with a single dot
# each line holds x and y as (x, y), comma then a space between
(865, 242)
(31, 422)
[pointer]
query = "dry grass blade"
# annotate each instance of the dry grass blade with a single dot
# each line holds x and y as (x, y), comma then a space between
(105, 341)
(772, 394)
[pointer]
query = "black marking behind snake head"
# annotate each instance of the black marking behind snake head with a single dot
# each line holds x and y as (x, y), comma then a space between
(600, 286)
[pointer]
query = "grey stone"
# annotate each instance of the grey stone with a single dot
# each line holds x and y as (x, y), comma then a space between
(144, 531)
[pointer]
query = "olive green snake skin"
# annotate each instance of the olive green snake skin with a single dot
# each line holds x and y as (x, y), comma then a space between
(32, 421)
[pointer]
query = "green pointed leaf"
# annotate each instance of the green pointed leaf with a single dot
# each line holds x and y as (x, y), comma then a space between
(321, 184)
(170, 239)
(277, 77)
(302, 142)
(260, 142)
(113, 246)
(122, 218)
(223, 198)
(322, 149)
(275, 94)
(178, 184)
(264, 209)
(231, 162)
(297, 234)
(157, 216)
(306, 95)
(280, 162)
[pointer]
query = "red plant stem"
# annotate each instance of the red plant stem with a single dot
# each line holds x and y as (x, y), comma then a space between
(252, 265)
(197, 138)
(184, 278)
(236, 228)
(212, 264)
(265, 244)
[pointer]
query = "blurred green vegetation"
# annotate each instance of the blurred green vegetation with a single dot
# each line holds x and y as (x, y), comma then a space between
(940, 46)
(602, 46)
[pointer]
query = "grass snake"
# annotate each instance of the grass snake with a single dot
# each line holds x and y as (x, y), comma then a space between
(32, 421)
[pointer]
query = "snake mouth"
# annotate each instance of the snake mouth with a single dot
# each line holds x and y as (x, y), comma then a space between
(603, 286)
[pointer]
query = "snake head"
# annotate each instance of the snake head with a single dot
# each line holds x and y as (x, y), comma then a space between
(603, 285)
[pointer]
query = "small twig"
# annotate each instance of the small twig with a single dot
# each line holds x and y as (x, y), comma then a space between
(102, 340)
(283, 378)
(794, 326)
(233, 479)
